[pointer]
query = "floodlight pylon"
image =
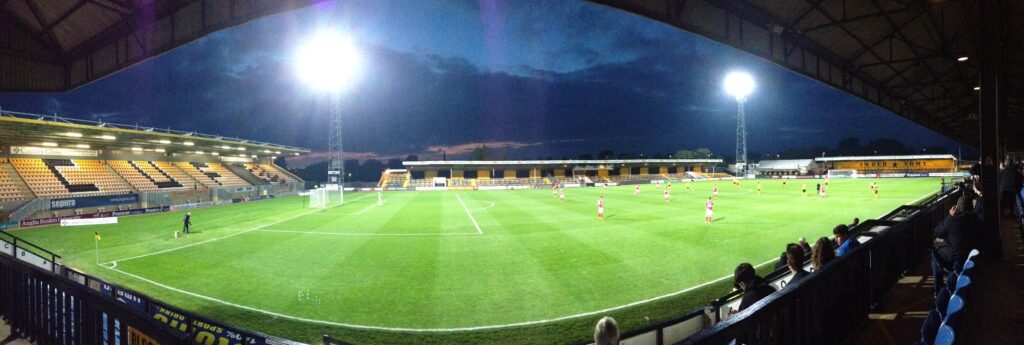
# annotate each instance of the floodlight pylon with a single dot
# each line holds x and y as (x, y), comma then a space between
(335, 148)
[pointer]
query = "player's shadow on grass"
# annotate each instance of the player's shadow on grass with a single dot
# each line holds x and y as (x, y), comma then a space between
(716, 220)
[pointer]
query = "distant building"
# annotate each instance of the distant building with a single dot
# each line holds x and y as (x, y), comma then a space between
(784, 167)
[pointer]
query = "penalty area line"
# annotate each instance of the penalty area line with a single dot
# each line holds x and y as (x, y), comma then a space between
(470, 214)
(421, 330)
(212, 239)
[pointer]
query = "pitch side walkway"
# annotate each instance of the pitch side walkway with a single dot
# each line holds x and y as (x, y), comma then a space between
(993, 315)
(6, 338)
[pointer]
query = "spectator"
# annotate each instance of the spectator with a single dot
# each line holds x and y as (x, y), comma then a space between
(782, 260)
(795, 262)
(953, 250)
(856, 221)
(606, 332)
(1006, 182)
(806, 247)
(753, 286)
(846, 244)
(823, 253)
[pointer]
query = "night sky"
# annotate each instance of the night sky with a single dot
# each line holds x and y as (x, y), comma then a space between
(540, 78)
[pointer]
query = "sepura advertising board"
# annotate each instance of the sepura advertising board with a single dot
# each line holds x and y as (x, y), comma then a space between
(93, 201)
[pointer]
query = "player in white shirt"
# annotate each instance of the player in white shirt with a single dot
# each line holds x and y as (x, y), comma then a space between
(709, 211)
(600, 207)
(636, 190)
(667, 196)
(561, 196)
(380, 198)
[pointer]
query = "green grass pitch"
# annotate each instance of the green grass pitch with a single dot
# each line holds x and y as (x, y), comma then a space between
(465, 266)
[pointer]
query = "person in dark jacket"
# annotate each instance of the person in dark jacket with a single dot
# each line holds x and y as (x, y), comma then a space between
(187, 223)
(753, 286)
(795, 262)
(806, 247)
(951, 254)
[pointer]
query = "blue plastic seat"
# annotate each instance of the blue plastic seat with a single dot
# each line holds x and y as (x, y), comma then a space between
(962, 283)
(953, 310)
(929, 328)
(972, 254)
(968, 266)
(945, 336)
(942, 301)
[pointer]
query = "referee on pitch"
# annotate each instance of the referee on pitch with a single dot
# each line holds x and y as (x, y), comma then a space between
(187, 226)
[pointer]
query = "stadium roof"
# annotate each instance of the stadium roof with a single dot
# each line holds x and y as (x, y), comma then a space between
(58, 45)
(882, 158)
(900, 55)
(439, 164)
(19, 129)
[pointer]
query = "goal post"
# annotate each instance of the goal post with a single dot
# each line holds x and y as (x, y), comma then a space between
(318, 198)
(842, 173)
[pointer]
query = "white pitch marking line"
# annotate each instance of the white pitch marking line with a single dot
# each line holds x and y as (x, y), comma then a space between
(481, 232)
(364, 233)
(426, 330)
(214, 239)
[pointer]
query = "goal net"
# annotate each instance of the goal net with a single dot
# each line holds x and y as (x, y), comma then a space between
(318, 198)
(842, 173)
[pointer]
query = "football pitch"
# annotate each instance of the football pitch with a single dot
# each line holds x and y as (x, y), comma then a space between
(466, 266)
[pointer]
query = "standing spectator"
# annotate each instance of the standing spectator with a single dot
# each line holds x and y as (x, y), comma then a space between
(187, 226)
(846, 244)
(753, 286)
(1006, 181)
(795, 262)
(606, 332)
(806, 247)
(953, 250)
(823, 253)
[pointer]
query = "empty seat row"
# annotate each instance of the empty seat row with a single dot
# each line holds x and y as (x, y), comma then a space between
(939, 328)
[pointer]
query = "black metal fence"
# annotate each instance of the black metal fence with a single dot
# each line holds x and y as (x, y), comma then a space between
(48, 309)
(48, 303)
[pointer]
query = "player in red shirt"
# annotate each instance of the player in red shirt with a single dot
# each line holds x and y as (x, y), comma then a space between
(667, 196)
(709, 211)
(554, 189)
(600, 207)
(821, 193)
(716, 191)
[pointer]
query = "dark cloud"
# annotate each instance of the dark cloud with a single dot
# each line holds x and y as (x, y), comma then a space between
(610, 81)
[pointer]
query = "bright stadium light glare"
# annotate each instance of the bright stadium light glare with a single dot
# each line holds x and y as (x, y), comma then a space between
(164, 141)
(739, 85)
(216, 153)
(136, 149)
(328, 61)
(82, 146)
(188, 143)
(107, 137)
(50, 144)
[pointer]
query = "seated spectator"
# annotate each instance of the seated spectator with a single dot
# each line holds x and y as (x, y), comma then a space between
(795, 262)
(856, 221)
(806, 247)
(954, 248)
(823, 253)
(606, 332)
(843, 239)
(782, 260)
(753, 286)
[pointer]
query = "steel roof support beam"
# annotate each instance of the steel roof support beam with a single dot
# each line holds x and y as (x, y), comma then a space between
(989, 118)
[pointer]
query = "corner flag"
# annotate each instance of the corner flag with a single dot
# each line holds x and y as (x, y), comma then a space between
(97, 243)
